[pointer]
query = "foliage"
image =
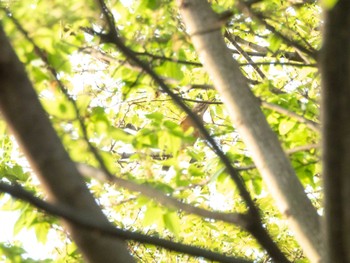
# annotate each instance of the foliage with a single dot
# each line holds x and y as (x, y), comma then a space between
(135, 125)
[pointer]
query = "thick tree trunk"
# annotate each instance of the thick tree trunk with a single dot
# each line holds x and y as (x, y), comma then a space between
(58, 174)
(204, 27)
(335, 66)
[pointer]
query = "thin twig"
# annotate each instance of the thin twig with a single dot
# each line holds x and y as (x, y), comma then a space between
(261, 19)
(309, 123)
(244, 54)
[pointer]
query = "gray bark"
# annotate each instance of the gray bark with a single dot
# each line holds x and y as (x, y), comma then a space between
(58, 174)
(204, 28)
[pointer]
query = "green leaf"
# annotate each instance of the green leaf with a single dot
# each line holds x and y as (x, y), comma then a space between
(153, 4)
(142, 201)
(153, 215)
(169, 143)
(329, 4)
(170, 125)
(194, 170)
(174, 129)
(171, 70)
(25, 220)
(217, 173)
(38, 74)
(59, 62)
(257, 185)
(41, 231)
(157, 116)
(17, 170)
(120, 135)
(172, 222)
(285, 126)
(112, 92)
(62, 107)
(145, 138)
(275, 42)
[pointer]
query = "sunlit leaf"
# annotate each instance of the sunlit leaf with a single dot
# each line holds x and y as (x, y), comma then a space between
(172, 222)
(152, 215)
(329, 4)
(41, 232)
(285, 126)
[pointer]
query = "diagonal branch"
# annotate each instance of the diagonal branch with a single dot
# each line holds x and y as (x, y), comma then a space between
(113, 37)
(256, 228)
(33, 131)
(234, 218)
(261, 19)
(43, 56)
(244, 54)
(88, 223)
(245, 112)
(309, 123)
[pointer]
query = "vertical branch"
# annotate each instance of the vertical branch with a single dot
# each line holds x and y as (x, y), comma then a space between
(335, 67)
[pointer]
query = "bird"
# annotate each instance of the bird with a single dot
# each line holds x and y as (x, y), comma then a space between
(186, 122)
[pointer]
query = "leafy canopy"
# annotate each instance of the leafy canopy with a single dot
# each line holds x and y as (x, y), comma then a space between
(136, 126)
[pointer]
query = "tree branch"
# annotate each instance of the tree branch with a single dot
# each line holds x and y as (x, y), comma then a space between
(43, 56)
(335, 69)
(251, 123)
(234, 218)
(84, 221)
(33, 131)
(256, 228)
(113, 37)
(245, 8)
(309, 123)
